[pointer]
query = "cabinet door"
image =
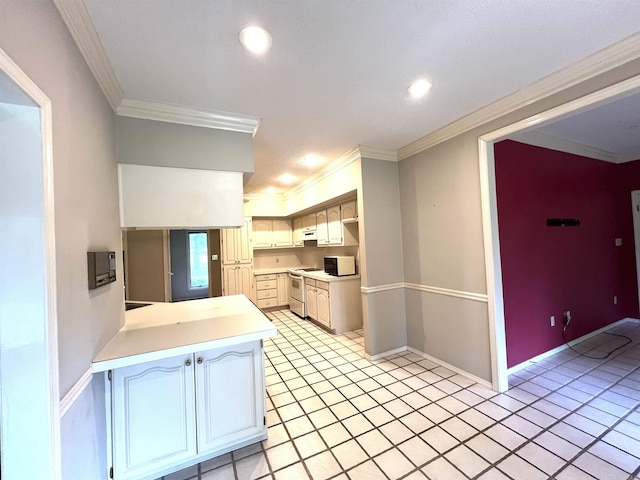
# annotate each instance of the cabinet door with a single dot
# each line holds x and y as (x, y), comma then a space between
(323, 227)
(230, 280)
(230, 396)
(153, 416)
(262, 233)
(312, 305)
(334, 225)
(324, 309)
(282, 233)
(309, 222)
(283, 289)
(244, 279)
(229, 246)
(297, 232)
(244, 246)
(348, 211)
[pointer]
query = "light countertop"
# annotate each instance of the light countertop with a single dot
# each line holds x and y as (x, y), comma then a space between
(164, 330)
(271, 271)
(325, 277)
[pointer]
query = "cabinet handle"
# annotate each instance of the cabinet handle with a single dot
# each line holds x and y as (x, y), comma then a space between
(199, 360)
(188, 363)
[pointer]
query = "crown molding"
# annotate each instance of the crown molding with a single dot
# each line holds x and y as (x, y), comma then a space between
(551, 142)
(166, 112)
(378, 153)
(629, 157)
(263, 197)
(602, 61)
(75, 16)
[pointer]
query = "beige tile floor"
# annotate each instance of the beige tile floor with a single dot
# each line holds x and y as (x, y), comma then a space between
(334, 415)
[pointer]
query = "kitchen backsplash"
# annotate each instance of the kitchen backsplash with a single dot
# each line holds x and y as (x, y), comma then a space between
(298, 257)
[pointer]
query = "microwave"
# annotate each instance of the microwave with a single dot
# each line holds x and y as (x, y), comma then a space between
(339, 265)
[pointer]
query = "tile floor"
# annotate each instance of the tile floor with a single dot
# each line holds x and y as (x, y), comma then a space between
(334, 415)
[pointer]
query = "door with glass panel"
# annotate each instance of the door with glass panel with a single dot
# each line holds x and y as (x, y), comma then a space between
(189, 264)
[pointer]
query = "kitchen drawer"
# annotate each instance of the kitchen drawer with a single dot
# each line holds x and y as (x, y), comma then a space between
(262, 294)
(321, 284)
(266, 285)
(262, 278)
(268, 302)
(310, 282)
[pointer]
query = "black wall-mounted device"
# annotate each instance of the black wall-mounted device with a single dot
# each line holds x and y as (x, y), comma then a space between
(563, 222)
(102, 268)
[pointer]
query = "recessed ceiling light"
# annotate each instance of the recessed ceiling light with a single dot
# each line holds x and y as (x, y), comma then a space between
(272, 190)
(419, 88)
(255, 40)
(311, 160)
(287, 178)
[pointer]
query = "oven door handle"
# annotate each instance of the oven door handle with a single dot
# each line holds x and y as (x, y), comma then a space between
(297, 277)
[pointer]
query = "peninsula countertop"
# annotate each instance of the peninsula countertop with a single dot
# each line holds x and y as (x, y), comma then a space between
(163, 330)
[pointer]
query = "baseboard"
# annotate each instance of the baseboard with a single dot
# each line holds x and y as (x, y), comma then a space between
(378, 356)
(553, 351)
(72, 395)
(453, 368)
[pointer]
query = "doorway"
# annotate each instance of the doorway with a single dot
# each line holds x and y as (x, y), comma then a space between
(189, 264)
(486, 142)
(635, 205)
(30, 399)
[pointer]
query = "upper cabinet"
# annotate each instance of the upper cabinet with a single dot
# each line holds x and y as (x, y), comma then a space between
(270, 233)
(334, 225)
(309, 222)
(236, 244)
(297, 232)
(323, 227)
(349, 211)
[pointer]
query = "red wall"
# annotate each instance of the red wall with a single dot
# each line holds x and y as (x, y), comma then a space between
(547, 270)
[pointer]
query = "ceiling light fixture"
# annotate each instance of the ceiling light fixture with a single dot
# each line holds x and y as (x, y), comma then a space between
(272, 190)
(419, 88)
(287, 178)
(255, 40)
(311, 160)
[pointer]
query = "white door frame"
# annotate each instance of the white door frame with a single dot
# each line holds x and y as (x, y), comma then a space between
(43, 327)
(635, 205)
(499, 373)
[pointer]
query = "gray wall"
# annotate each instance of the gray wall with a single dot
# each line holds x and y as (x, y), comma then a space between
(148, 142)
(85, 187)
(381, 256)
(442, 237)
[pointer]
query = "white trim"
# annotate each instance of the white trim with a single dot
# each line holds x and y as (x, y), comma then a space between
(72, 395)
(79, 24)
(629, 157)
(378, 356)
(382, 288)
(14, 72)
(635, 211)
(166, 112)
(602, 61)
(490, 212)
(378, 153)
(553, 351)
(538, 139)
(477, 297)
(448, 366)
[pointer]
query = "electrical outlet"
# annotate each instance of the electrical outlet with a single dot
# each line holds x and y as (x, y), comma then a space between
(553, 320)
(615, 299)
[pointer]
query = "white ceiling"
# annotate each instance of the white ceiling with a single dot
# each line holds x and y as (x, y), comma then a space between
(337, 73)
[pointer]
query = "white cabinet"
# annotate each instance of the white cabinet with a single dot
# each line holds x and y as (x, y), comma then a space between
(337, 305)
(272, 290)
(309, 222)
(173, 411)
(283, 289)
(297, 232)
(322, 227)
(236, 244)
(237, 279)
(323, 301)
(334, 225)
(229, 396)
(311, 299)
(349, 211)
(153, 417)
(269, 233)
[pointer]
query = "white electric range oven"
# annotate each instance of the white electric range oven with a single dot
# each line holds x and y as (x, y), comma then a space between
(297, 291)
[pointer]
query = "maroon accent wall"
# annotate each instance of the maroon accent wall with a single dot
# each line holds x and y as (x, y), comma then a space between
(547, 270)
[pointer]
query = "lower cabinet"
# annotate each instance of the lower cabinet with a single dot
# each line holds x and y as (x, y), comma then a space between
(177, 411)
(237, 279)
(336, 305)
(272, 290)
